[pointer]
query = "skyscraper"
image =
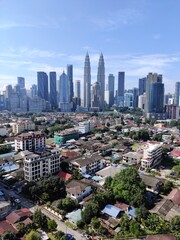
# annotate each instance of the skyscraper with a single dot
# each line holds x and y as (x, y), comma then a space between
(96, 94)
(101, 79)
(142, 86)
(151, 78)
(177, 93)
(156, 97)
(70, 76)
(120, 91)
(78, 89)
(21, 82)
(64, 93)
(33, 90)
(135, 97)
(87, 82)
(111, 89)
(42, 82)
(53, 93)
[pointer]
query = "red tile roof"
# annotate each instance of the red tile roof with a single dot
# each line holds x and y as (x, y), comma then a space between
(17, 215)
(5, 226)
(64, 175)
(175, 153)
(174, 196)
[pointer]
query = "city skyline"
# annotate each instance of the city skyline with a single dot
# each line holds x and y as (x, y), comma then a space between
(134, 37)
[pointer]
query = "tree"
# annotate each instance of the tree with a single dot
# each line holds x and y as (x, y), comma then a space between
(95, 223)
(59, 235)
(108, 182)
(167, 187)
(52, 225)
(175, 224)
(91, 210)
(141, 213)
(67, 204)
(7, 235)
(80, 224)
(127, 186)
(33, 235)
(118, 128)
(40, 219)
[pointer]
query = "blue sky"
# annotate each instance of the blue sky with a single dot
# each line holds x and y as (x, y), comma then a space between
(135, 36)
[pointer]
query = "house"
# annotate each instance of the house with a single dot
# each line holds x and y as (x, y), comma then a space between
(153, 184)
(132, 158)
(170, 206)
(4, 208)
(77, 190)
(65, 176)
(129, 210)
(109, 171)
(74, 216)
(112, 211)
(87, 164)
(18, 216)
(175, 153)
(5, 226)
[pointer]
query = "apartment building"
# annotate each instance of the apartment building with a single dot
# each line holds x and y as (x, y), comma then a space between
(30, 141)
(22, 126)
(88, 164)
(151, 155)
(40, 164)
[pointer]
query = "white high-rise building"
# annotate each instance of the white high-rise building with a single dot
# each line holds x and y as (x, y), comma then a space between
(87, 82)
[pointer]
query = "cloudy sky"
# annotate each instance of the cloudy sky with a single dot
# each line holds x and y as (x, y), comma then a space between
(135, 36)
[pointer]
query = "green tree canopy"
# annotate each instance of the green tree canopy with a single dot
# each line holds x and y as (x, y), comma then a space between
(52, 225)
(40, 219)
(128, 187)
(33, 235)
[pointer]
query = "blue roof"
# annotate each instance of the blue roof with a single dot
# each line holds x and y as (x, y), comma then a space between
(74, 216)
(96, 178)
(10, 167)
(111, 210)
(7, 155)
(131, 212)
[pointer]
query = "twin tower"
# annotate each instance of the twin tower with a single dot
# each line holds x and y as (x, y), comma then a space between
(97, 98)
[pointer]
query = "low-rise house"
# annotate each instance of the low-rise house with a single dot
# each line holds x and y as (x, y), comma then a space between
(4, 208)
(175, 153)
(110, 171)
(87, 164)
(132, 158)
(7, 164)
(168, 207)
(112, 211)
(77, 190)
(18, 216)
(153, 184)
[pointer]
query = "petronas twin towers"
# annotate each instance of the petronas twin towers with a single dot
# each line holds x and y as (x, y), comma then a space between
(100, 82)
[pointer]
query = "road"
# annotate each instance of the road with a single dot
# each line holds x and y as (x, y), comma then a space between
(61, 225)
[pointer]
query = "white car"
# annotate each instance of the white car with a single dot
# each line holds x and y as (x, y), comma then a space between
(17, 200)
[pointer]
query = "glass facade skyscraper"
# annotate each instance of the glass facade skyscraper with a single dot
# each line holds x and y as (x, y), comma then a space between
(120, 91)
(53, 93)
(70, 77)
(87, 82)
(177, 93)
(156, 100)
(42, 82)
(142, 86)
(101, 80)
(111, 89)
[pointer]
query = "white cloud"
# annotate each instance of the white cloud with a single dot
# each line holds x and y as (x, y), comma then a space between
(114, 20)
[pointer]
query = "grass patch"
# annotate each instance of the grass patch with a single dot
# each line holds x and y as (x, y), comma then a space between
(135, 146)
(51, 236)
(69, 224)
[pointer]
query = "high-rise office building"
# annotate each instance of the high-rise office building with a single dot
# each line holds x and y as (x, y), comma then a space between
(111, 89)
(53, 93)
(8, 95)
(21, 82)
(120, 91)
(135, 97)
(70, 76)
(101, 80)
(64, 93)
(96, 95)
(142, 86)
(87, 82)
(156, 100)
(33, 90)
(42, 82)
(78, 89)
(151, 78)
(177, 94)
